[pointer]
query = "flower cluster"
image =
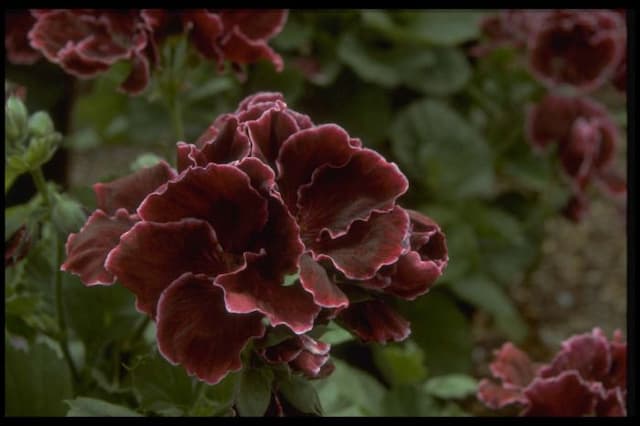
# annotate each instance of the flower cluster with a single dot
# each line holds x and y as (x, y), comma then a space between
(86, 42)
(586, 138)
(586, 377)
(268, 219)
(580, 48)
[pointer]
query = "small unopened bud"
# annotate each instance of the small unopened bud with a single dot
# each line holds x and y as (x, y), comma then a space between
(67, 214)
(15, 114)
(40, 124)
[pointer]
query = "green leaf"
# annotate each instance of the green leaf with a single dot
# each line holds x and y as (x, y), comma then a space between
(371, 66)
(448, 73)
(443, 27)
(403, 401)
(161, 387)
(263, 76)
(255, 392)
(290, 279)
(91, 407)
(349, 391)
(148, 159)
(36, 381)
(438, 147)
(441, 331)
(334, 334)
(301, 394)
(452, 386)
(223, 395)
(400, 364)
(485, 294)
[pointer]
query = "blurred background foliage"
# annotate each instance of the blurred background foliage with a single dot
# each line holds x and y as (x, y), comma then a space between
(402, 82)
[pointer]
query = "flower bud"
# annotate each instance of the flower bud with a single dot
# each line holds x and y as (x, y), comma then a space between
(40, 124)
(67, 214)
(15, 119)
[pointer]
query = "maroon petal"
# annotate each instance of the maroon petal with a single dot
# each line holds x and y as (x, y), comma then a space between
(611, 405)
(269, 132)
(413, 276)
(255, 24)
(617, 376)
(151, 255)
(17, 246)
(255, 288)
(309, 364)
(283, 352)
(88, 249)
(336, 197)
(315, 280)
(513, 366)
(80, 66)
(576, 208)
(218, 193)
(367, 246)
(228, 144)
(138, 78)
(240, 49)
(129, 191)
(195, 330)
(374, 321)
(307, 150)
(496, 397)
(261, 176)
(259, 98)
(17, 24)
(566, 395)
(207, 27)
(588, 354)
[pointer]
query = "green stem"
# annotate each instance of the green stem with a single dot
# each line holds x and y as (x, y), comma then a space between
(176, 117)
(41, 185)
(62, 324)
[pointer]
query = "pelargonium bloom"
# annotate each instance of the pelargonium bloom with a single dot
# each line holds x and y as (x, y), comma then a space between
(267, 217)
(586, 137)
(508, 28)
(579, 48)
(17, 24)
(587, 377)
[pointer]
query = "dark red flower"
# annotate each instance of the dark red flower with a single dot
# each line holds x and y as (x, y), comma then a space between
(579, 48)
(508, 28)
(17, 246)
(17, 24)
(586, 138)
(586, 377)
(86, 42)
(270, 217)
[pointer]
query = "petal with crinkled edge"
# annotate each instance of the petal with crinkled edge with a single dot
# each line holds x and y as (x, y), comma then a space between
(88, 249)
(566, 395)
(309, 364)
(495, 396)
(230, 144)
(138, 78)
(367, 246)
(257, 98)
(206, 28)
(374, 321)
(218, 193)
(195, 330)
(151, 255)
(588, 354)
(255, 288)
(256, 25)
(261, 176)
(513, 366)
(128, 192)
(337, 197)
(307, 150)
(268, 132)
(413, 276)
(282, 352)
(315, 280)
(612, 404)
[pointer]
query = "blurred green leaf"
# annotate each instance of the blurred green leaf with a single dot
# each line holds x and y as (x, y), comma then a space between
(36, 381)
(334, 334)
(443, 27)
(91, 407)
(371, 65)
(255, 392)
(301, 394)
(349, 391)
(264, 77)
(441, 331)
(486, 295)
(400, 364)
(408, 401)
(438, 147)
(448, 73)
(451, 386)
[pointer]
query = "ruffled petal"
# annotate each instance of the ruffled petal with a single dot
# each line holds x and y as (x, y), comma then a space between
(206, 28)
(566, 395)
(368, 246)
(138, 78)
(129, 191)
(261, 176)
(255, 24)
(176, 247)
(218, 193)
(254, 288)
(336, 197)
(413, 276)
(229, 144)
(315, 280)
(513, 367)
(239, 48)
(612, 404)
(269, 132)
(88, 249)
(307, 150)
(496, 397)
(374, 321)
(196, 331)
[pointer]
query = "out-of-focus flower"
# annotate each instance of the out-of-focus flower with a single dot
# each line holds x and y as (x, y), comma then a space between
(579, 48)
(511, 28)
(587, 377)
(267, 217)
(17, 247)
(17, 24)
(586, 137)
